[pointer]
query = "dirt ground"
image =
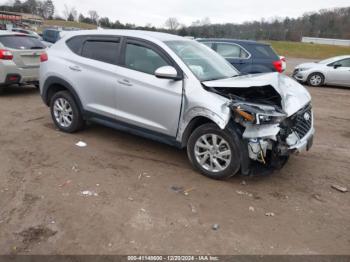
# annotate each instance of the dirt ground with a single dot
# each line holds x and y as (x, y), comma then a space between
(145, 198)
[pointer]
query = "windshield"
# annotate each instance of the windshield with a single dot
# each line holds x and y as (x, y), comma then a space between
(202, 61)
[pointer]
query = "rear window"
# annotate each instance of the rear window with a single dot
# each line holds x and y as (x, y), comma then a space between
(21, 42)
(264, 51)
(104, 51)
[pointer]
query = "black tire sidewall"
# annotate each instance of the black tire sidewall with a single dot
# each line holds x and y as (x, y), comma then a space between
(228, 135)
(77, 122)
(313, 74)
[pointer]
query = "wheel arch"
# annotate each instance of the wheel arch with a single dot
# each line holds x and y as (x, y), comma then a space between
(53, 85)
(193, 125)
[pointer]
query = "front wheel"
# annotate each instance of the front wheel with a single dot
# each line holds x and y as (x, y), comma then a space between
(315, 79)
(214, 152)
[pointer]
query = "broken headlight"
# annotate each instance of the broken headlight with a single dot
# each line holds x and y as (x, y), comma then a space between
(258, 114)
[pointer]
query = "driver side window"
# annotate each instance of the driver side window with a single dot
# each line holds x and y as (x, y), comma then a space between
(345, 63)
(342, 63)
(143, 59)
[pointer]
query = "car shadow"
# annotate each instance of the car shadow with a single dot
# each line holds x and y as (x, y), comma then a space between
(12, 91)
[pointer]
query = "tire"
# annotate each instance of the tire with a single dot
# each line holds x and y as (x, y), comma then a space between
(227, 139)
(1, 90)
(70, 120)
(315, 79)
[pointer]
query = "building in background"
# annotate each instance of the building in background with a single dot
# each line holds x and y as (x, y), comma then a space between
(326, 41)
(12, 19)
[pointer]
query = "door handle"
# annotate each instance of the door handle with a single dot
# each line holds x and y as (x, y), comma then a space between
(75, 68)
(125, 82)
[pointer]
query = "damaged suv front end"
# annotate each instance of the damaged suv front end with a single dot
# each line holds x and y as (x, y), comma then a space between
(273, 112)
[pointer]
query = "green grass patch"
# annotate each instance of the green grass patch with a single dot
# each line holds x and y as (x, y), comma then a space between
(305, 50)
(59, 23)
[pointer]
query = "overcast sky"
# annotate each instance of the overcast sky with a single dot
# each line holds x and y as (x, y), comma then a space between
(141, 12)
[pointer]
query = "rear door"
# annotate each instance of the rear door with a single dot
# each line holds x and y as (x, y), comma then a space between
(142, 99)
(26, 52)
(93, 71)
(236, 55)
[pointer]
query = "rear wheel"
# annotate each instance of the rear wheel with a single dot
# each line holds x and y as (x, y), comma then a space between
(316, 79)
(213, 152)
(65, 112)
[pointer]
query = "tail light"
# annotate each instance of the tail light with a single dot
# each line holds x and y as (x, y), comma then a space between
(5, 55)
(44, 57)
(278, 66)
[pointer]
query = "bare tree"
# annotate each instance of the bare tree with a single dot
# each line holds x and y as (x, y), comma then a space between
(172, 23)
(94, 16)
(205, 21)
(70, 13)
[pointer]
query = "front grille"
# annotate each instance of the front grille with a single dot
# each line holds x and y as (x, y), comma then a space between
(303, 121)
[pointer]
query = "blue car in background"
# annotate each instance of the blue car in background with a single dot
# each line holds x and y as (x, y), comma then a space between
(249, 57)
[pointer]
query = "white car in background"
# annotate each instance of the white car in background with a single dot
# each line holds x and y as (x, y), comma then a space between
(332, 71)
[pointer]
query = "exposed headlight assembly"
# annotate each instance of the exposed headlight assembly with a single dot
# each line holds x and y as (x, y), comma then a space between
(258, 114)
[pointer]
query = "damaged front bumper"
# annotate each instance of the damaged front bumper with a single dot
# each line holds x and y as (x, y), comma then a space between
(268, 143)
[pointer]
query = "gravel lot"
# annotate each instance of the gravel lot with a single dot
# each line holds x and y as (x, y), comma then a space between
(146, 199)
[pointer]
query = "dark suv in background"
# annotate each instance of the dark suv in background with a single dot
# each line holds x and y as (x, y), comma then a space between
(249, 57)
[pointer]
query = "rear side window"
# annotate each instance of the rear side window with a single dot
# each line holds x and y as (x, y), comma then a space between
(343, 63)
(231, 51)
(264, 51)
(104, 51)
(75, 44)
(21, 42)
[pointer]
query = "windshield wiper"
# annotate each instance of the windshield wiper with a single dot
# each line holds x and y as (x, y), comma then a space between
(36, 47)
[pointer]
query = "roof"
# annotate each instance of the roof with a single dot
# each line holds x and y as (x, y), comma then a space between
(341, 57)
(237, 41)
(132, 33)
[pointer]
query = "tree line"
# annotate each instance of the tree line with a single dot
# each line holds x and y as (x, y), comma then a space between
(326, 23)
(44, 8)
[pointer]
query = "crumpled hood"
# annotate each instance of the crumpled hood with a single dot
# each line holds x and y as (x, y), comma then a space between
(294, 95)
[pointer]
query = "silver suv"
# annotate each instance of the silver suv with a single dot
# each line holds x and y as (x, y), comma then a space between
(19, 58)
(180, 92)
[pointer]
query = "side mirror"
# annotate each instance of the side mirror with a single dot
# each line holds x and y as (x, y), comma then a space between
(336, 65)
(167, 72)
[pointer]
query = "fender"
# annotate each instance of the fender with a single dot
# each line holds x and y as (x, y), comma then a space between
(53, 81)
(196, 112)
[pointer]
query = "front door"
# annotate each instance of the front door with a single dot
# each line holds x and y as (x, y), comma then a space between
(142, 99)
(340, 75)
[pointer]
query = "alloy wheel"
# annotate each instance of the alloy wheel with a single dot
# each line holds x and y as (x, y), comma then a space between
(63, 112)
(316, 80)
(213, 153)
